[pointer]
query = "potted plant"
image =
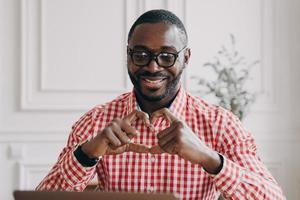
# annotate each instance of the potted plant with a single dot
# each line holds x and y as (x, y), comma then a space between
(232, 72)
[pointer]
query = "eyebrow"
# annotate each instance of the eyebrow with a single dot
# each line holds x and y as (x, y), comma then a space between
(161, 48)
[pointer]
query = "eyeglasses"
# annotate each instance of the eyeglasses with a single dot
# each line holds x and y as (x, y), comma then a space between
(142, 58)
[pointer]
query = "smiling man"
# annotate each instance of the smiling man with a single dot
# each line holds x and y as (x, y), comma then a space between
(159, 138)
(158, 55)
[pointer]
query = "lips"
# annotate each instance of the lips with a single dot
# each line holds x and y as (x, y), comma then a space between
(153, 82)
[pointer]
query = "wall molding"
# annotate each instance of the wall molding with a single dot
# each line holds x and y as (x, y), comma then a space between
(268, 98)
(276, 168)
(42, 84)
(268, 65)
(35, 95)
(28, 171)
(32, 137)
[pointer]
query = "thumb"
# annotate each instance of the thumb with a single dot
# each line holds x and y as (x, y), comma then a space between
(137, 148)
(156, 150)
(114, 151)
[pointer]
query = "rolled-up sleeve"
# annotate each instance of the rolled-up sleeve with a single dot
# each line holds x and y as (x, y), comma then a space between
(68, 174)
(243, 176)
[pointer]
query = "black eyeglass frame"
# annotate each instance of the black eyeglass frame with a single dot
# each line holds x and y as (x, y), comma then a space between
(153, 56)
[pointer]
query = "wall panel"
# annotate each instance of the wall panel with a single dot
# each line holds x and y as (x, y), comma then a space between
(59, 58)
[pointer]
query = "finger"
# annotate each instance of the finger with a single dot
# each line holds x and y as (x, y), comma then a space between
(167, 138)
(146, 119)
(122, 136)
(165, 132)
(129, 130)
(113, 151)
(112, 139)
(138, 148)
(170, 147)
(164, 112)
(137, 115)
(156, 150)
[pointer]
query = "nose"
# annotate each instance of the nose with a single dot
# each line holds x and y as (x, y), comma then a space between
(153, 66)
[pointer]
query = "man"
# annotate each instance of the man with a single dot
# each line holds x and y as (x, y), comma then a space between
(159, 138)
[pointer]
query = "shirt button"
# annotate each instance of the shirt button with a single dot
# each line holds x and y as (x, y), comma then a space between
(77, 188)
(152, 159)
(150, 189)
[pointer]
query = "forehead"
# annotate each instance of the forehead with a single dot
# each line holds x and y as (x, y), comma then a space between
(156, 36)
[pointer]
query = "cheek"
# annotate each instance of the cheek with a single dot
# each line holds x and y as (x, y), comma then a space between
(175, 71)
(132, 69)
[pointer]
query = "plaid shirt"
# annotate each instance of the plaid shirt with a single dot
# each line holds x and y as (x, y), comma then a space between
(243, 175)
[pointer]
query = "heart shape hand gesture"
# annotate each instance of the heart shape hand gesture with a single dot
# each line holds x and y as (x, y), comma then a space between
(178, 139)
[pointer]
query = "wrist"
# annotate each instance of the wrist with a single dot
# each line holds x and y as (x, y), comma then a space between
(84, 159)
(214, 163)
(93, 148)
(87, 149)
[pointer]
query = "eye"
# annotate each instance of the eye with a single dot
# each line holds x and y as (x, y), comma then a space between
(140, 56)
(166, 57)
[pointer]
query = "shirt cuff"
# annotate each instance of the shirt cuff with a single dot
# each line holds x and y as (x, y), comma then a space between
(228, 179)
(74, 173)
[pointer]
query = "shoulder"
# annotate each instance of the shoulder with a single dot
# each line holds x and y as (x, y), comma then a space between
(97, 117)
(116, 106)
(210, 112)
(223, 125)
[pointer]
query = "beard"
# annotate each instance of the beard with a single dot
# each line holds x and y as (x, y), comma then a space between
(170, 90)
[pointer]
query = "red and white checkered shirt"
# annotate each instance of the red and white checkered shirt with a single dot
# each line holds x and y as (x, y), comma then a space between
(243, 175)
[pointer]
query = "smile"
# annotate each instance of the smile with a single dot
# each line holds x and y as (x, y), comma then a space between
(153, 82)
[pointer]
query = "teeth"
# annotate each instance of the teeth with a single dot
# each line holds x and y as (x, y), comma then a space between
(153, 81)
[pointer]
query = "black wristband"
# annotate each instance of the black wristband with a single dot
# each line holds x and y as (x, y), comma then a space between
(83, 159)
(221, 165)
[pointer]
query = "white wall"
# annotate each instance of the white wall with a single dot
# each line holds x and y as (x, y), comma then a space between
(58, 58)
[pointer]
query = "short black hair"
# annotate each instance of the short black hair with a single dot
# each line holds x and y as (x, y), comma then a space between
(160, 16)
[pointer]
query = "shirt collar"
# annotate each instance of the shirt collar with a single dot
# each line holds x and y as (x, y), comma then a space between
(177, 106)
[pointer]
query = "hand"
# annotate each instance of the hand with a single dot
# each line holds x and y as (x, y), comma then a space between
(179, 139)
(116, 137)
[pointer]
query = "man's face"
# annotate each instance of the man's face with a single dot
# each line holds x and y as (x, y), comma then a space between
(153, 82)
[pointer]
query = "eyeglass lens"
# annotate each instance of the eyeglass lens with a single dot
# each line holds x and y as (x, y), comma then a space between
(163, 59)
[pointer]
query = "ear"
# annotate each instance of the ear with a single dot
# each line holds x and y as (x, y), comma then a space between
(187, 55)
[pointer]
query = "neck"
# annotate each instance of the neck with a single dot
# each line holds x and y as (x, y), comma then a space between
(151, 106)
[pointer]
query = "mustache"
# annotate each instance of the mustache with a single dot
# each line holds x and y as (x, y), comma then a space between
(157, 74)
